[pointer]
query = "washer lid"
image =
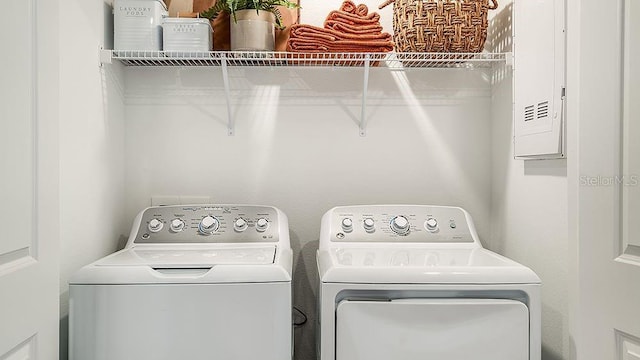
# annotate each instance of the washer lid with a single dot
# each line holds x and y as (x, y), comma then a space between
(185, 257)
(188, 265)
(403, 265)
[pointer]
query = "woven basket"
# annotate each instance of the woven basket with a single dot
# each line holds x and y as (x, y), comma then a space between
(458, 26)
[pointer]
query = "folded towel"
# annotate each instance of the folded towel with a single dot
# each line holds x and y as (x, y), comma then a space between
(311, 45)
(353, 29)
(295, 45)
(311, 38)
(301, 30)
(350, 29)
(354, 19)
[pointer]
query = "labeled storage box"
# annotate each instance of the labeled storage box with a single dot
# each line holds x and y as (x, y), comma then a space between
(138, 24)
(186, 35)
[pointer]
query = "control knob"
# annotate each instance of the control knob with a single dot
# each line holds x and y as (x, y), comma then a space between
(177, 225)
(240, 225)
(155, 225)
(369, 225)
(208, 225)
(431, 224)
(347, 225)
(262, 225)
(400, 225)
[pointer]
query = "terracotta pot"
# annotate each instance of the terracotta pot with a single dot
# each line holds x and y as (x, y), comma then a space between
(253, 31)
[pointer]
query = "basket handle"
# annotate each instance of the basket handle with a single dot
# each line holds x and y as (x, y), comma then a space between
(495, 5)
(386, 3)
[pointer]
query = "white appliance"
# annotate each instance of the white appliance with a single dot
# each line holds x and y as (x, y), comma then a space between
(409, 282)
(194, 282)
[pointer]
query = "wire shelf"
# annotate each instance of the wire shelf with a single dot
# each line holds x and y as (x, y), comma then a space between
(260, 58)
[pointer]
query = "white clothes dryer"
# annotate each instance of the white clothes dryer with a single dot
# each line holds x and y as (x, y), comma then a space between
(193, 282)
(410, 282)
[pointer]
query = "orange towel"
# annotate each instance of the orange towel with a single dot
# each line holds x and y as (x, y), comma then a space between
(354, 19)
(348, 6)
(301, 30)
(312, 38)
(353, 29)
(350, 29)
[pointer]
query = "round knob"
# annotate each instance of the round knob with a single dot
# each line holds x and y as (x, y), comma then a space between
(431, 224)
(262, 224)
(177, 225)
(400, 225)
(208, 225)
(240, 225)
(369, 225)
(347, 225)
(155, 225)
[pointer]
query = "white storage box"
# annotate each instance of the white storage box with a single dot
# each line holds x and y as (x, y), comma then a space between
(184, 35)
(138, 24)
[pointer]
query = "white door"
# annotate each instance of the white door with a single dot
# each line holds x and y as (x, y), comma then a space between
(604, 170)
(29, 180)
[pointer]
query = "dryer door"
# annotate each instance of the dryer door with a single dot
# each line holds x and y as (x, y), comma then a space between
(419, 329)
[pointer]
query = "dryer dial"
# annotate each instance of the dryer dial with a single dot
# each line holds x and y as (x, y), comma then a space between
(400, 225)
(240, 225)
(431, 225)
(262, 225)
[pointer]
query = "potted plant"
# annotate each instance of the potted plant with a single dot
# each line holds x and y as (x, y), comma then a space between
(253, 21)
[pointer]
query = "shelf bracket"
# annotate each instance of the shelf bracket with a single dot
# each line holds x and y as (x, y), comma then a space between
(225, 79)
(106, 56)
(508, 59)
(365, 86)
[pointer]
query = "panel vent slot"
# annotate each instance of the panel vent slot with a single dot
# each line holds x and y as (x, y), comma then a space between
(529, 112)
(543, 110)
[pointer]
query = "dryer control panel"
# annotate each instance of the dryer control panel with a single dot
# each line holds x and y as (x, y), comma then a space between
(207, 224)
(399, 223)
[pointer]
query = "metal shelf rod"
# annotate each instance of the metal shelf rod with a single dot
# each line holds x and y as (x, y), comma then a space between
(231, 125)
(363, 108)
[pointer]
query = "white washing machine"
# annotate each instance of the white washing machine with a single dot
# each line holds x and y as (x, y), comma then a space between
(194, 282)
(408, 282)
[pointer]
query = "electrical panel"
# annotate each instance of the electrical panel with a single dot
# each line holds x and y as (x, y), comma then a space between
(539, 79)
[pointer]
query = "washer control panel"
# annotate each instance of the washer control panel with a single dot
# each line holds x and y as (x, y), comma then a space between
(208, 224)
(399, 223)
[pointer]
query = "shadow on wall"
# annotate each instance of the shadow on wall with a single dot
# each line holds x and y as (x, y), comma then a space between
(548, 354)
(554, 324)
(64, 338)
(305, 283)
(556, 167)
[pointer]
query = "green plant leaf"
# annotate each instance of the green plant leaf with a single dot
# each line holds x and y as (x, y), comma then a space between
(231, 6)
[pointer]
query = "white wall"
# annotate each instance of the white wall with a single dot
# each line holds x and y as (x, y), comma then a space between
(91, 145)
(529, 225)
(529, 220)
(297, 146)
